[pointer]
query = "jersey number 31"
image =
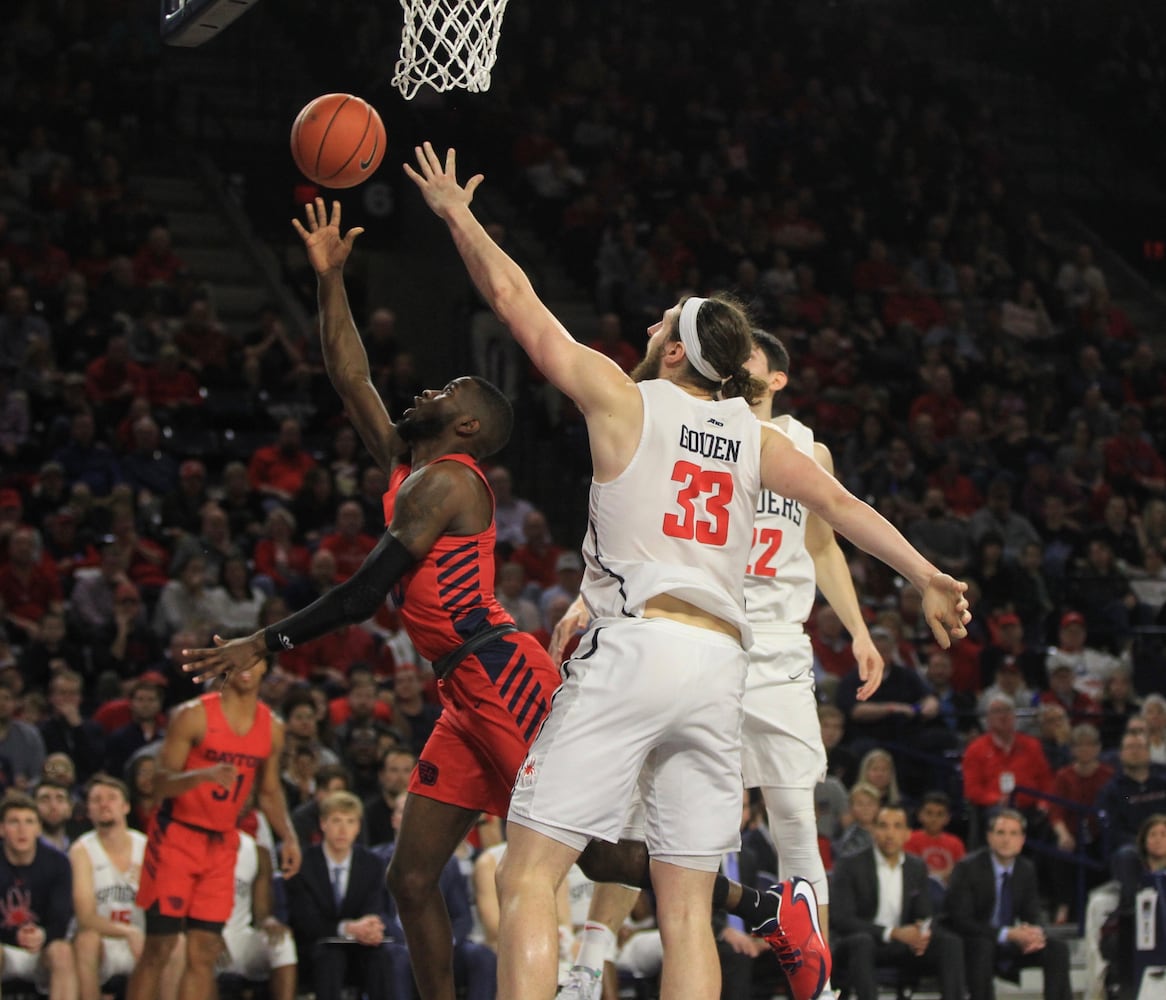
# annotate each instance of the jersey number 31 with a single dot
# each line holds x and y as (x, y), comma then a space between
(704, 505)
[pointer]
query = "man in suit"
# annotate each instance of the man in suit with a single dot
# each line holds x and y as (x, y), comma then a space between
(992, 903)
(880, 915)
(475, 965)
(335, 904)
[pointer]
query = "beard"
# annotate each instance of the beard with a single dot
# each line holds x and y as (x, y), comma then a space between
(649, 368)
(414, 429)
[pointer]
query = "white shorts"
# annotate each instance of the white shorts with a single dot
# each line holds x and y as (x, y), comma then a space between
(19, 963)
(782, 740)
(116, 958)
(253, 957)
(647, 701)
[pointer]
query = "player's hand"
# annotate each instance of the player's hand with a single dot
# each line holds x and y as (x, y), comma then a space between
(870, 664)
(274, 930)
(289, 857)
(744, 944)
(575, 620)
(327, 249)
(438, 183)
(225, 656)
(136, 939)
(945, 607)
(30, 937)
(222, 774)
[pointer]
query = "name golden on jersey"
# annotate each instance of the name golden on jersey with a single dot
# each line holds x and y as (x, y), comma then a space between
(709, 445)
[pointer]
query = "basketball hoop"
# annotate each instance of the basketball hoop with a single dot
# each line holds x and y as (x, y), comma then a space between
(447, 44)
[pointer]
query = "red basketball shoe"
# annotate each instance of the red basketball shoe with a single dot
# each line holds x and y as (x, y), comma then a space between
(792, 931)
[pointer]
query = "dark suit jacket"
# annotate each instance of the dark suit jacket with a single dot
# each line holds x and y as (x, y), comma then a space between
(311, 909)
(971, 895)
(854, 894)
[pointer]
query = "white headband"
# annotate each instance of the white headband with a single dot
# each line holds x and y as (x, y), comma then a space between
(691, 339)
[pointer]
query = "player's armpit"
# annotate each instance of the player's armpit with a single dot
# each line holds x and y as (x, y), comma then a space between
(440, 498)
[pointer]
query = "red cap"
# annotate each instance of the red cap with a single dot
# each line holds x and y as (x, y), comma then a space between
(10, 498)
(1071, 618)
(1008, 618)
(151, 678)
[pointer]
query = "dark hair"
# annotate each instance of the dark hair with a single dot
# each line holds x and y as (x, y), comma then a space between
(936, 799)
(1148, 824)
(329, 772)
(295, 698)
(397, 751)
(897, 807)
(726, 341)
(495, 416)
(60, 786)
(776, 356)
(15, 800)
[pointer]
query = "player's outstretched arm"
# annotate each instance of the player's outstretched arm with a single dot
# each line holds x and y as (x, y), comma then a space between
(273, 805)
(428, 502)
(837, 586)
(344, 354)
(588, 377)
(789, 473)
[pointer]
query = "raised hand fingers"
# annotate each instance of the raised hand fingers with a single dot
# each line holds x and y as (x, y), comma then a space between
(335, 219)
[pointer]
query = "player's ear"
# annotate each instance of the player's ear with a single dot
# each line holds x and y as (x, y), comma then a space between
(469, 426)
(778, 381)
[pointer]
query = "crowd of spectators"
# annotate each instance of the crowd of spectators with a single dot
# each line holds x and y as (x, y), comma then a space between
(970, 372)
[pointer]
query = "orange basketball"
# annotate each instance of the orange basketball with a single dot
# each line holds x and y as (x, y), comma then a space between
(338, 140)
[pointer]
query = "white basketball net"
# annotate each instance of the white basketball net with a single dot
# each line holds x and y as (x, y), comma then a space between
(447, 44)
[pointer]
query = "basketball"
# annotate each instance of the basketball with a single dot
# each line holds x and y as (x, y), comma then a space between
(338, 140)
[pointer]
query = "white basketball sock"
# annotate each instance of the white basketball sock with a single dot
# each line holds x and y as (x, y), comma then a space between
(596, 946)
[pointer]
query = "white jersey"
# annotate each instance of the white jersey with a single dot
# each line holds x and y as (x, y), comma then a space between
(780, 582)
(679, 519)
(116, 891)
(246, 872)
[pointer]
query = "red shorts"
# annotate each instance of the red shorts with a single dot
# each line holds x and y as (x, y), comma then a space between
(493, 704)
(188, 872)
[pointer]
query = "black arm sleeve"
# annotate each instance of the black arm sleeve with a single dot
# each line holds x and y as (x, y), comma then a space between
(356, 600)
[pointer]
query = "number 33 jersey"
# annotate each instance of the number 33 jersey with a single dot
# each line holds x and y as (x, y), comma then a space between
(209, 805)
(679, 519)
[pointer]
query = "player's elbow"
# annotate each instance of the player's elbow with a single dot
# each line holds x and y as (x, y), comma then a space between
(360, 601)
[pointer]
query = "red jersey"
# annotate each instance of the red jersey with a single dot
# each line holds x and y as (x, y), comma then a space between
(939, 853)
(209, 806)
(449, 595)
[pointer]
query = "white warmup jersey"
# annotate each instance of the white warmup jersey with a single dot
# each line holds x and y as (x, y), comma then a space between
(679, 519)
(782, 740)
(779, 585)
(248, 952)
(116, 891)
(246, 872)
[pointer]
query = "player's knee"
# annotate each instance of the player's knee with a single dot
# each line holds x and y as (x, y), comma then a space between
(87, 943)
(410, 886)
(59, 957)
(202, 950)
(158, 948)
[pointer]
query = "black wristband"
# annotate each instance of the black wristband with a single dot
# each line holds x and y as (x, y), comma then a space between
(354, 601)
